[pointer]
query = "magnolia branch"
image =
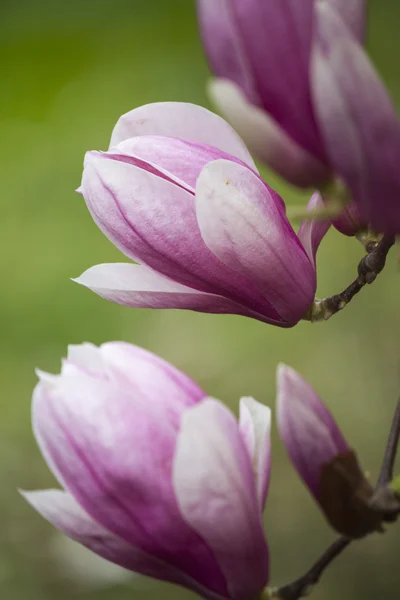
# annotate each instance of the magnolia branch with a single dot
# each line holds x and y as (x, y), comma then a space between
(301, 587)
(384, 497)
(368, 269)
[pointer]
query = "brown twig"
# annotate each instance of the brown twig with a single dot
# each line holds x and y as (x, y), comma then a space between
(301, 586)
(368, 269)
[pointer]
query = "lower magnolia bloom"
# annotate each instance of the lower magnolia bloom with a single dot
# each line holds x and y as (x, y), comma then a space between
(324, 460)
(179, 193)
(157, 477)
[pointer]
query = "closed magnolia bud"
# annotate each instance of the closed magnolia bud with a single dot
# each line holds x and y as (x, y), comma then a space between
(157, 477)
(323, 459)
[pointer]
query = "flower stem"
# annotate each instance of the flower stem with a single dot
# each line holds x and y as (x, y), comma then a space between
(368, 269)
(302, 586)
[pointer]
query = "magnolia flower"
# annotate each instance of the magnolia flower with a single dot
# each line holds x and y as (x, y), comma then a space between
(179, 193)
(156, 477)
(295, 81)
(324, 460)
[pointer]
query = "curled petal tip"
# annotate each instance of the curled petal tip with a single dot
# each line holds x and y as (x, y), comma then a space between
(285, 377)
(49, 380)
(23, 493)
(282, 368)
(78, 280)
(86, 356)
(32, 496)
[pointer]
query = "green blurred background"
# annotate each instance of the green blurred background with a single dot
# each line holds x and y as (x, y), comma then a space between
(68, 71)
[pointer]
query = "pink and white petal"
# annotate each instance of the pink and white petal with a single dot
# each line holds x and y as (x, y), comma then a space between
(181, 159)
(137, 286)
(241, 224)
(181, 120)
(312, 231)
(119, 195)
(308, 430)
(353, 13)
(225, 48)
(142, 369)
(87, 356)
(255, 427)
(266, 138)
(87, 428)
(358, 121)
(154, 221)
(277, 37)
(62, 511)
(214, 485)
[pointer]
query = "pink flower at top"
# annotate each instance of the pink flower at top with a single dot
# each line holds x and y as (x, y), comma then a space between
(295, 81)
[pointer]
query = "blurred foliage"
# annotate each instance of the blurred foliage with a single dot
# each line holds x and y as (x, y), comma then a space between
(69, 70)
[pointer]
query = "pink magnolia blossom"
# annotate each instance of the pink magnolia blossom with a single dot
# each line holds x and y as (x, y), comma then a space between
(308, 430)
(156, 477)
(179, 193)
(295, 81)
(324, 460)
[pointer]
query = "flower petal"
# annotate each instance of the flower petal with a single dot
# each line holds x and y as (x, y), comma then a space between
(266, 138)
(359, 125)
(87, 356)
(224, 46)
(353, 13)
(154, 221)
(271, 41)
(94, 434)
(180, 158)
(312, 231)
(137, 286)
(255, 427)
(62, 511)
(181, 120)
(307, 428)
(241, 223)
(350, 222)
(215, 489)
(163, 383)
